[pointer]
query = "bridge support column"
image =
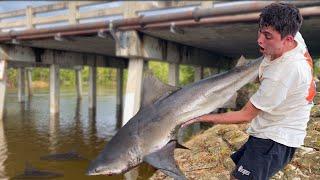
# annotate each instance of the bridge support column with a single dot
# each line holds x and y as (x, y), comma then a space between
(198, 75)
(92, 89)
(133, 89)
(54, 89)
(21, 84)
(29, 82)
(78, 83)
(119, 103)
(3, 87)
(173, 74)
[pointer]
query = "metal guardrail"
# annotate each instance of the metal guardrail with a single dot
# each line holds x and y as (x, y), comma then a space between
(29, 18)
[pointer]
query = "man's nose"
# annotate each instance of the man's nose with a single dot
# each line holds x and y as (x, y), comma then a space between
(260, 40)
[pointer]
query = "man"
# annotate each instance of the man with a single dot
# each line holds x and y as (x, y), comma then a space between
(280, 109)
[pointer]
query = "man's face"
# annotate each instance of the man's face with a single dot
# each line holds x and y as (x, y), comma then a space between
(270, 42)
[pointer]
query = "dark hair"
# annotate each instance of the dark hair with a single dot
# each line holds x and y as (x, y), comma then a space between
(284, 18)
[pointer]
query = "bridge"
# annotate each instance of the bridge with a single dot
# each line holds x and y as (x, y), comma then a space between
(128, 35)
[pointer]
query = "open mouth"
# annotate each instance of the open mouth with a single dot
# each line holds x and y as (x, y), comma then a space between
(261, 49)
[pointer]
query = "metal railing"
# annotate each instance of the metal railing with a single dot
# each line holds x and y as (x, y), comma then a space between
(72, 13)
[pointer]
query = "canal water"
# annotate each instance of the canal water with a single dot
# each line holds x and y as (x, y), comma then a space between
(28, 133)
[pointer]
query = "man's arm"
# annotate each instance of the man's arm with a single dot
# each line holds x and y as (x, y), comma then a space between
(246, 114)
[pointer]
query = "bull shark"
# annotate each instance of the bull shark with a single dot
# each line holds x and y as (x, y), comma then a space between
(151, 135)
(31, 172)
(68, 156)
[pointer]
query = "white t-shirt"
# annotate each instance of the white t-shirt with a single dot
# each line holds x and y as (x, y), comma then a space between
(284, 96)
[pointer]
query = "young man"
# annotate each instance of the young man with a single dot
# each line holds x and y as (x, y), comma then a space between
(280, 109)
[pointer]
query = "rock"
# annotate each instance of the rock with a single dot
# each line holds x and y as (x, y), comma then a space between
(316, 99)
(235, 138)
(315, 111)
(292, 172)
(221, 129)
(209, 157)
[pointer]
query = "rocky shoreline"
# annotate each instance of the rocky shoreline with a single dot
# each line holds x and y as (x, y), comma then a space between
(209, 154)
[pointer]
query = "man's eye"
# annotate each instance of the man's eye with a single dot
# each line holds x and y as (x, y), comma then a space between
(268, 37)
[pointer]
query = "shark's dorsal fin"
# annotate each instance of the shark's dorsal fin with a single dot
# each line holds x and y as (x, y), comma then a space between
(154, 89)
(242, 61)
(164, 161)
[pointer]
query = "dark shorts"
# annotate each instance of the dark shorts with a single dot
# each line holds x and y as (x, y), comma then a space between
(260, 159)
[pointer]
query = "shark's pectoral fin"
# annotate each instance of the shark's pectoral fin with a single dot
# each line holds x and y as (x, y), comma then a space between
(181, 146)
(164, 161)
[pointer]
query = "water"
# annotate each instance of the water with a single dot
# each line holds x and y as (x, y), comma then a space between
(28, 132)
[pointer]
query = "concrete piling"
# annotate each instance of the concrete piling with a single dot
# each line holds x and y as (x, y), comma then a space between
(92, 88)
(54, 89)
(21, 84)
(3, 87)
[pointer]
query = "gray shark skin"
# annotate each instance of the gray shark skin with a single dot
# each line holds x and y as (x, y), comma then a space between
(150, 135)
(33, 173)
(69, 156)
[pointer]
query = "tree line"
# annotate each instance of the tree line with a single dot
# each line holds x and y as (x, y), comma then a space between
(106, 76)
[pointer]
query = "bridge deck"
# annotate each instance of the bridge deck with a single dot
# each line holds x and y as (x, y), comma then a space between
(228, 34)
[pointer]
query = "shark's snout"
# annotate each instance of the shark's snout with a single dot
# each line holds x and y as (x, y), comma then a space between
(101, 166)
(95, 171)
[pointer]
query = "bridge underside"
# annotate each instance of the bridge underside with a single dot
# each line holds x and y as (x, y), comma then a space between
(225, 42)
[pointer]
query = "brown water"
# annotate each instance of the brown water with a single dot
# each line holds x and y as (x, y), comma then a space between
(28, 132)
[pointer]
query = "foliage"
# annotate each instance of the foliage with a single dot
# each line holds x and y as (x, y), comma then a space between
(186, 75)
(160, 70)
(107, 76)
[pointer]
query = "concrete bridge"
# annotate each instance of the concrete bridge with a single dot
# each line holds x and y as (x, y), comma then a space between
(128, 35)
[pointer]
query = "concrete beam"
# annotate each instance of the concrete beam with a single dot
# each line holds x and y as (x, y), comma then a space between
(78, 83)
(19, 64)
(173, 74)
(3, 87)
(133, 89)
(92, 88)
(54, 89)
(63, 58)
(132, 44)
(21, 84)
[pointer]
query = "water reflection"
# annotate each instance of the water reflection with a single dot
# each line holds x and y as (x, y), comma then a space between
(53, 132)
(31, 132)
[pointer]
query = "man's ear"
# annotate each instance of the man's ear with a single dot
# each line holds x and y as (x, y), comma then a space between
(289, 38)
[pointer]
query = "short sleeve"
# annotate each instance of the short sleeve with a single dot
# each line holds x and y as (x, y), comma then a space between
(270, 95)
